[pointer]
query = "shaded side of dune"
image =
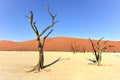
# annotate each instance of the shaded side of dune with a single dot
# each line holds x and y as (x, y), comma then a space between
(56, 44)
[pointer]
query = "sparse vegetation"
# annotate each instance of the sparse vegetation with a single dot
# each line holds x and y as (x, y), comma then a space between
(74, 47)
(83, 49)
(98, 49)
(40, 64)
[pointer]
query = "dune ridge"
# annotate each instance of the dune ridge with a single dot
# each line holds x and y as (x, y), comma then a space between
(55, 44)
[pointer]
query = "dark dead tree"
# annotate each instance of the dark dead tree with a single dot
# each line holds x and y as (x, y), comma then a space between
(40, 64)
(98, 50)
(83, 48)
(74, 47)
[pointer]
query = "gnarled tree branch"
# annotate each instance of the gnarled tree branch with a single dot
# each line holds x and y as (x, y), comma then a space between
(52, 23)
(99, 50)
(40, 64)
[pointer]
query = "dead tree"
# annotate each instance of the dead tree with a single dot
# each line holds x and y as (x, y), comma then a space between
(74, 47)
(40, 64)
(98, 50)
(83, 49)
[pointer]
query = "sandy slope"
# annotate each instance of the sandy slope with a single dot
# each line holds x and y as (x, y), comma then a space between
(71, 66)
(56, 44)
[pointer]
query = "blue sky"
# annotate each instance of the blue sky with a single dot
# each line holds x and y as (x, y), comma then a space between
(77, 18)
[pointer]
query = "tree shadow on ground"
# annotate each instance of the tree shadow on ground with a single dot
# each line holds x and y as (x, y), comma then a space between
(92, 60)
(59, 59)
(55, 61)
(95, 64)
(52, 63)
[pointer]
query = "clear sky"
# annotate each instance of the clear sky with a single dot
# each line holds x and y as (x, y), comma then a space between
(77, 18)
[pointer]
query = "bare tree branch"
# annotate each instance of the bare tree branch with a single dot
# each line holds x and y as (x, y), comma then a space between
(32, 23)
(74, 47)
(99, 50)
(31, 17)
(48, 34)
(52, 24)
(99, 40)
(106, 48)
(40, 64)
(36, 30)
(98, 43)
(106, 41)
(93, 45)
(46, 37)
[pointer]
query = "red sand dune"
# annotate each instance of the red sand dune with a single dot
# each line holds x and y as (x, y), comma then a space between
(55, 44)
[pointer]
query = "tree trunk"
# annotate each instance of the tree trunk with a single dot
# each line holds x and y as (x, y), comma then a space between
(41, 59)
(41, 56)
(40, 64)
(99, 59)
(96, 56)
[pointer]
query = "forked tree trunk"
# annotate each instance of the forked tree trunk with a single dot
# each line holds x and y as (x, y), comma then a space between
(40, 64)
(98, 50)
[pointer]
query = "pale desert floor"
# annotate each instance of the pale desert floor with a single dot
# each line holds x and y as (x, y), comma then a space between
(13, 66)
